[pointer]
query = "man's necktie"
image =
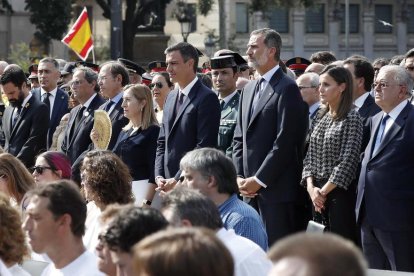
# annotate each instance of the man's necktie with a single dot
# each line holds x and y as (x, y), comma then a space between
(222, 104)
(179, 103)
(380, 133)
(108, 106)
(16, 115)
(79, 115)
(256, 96)
(46, 100)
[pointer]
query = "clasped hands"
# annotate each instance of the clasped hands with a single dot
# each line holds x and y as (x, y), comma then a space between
(318, 198)
(248, 187)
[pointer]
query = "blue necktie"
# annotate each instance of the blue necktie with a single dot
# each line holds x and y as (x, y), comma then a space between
(108, 106)
(16, 115)
(380, 133)
(256, 95)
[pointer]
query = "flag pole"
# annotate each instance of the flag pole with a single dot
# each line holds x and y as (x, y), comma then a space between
(93, 54)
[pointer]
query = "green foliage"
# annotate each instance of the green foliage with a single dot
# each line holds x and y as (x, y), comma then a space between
(51, 17)
(20, 55)
(204, 6)
(5, 6)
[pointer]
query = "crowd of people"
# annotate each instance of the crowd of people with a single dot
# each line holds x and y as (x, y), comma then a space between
(209, 171)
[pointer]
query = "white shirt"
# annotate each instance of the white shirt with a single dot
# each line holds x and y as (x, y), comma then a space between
(92, 226)
(393, 116)
(88, 102)
(17, 270)
(249, 258)
(3, 269)
(228, 98)
(84, 265)
(359, 102)
(186, 90)
(52, 98)
(115, 101)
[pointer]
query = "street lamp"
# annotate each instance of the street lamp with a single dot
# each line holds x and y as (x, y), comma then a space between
(184, 17)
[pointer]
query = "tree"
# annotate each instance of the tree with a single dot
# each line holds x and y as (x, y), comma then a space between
(51, 18)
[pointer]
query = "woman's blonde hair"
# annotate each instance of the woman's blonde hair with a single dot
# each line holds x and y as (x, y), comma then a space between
(142, 92)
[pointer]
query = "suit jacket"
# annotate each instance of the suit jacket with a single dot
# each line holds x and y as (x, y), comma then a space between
(228, 124)
(367, 110)
(28, 137)
(195, 126)
(385, 188)
(118, 121)
(269, 145)
(137, 150)
(77, 138)
(60, 108)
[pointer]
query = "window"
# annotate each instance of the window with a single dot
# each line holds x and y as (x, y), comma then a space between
(242, 22)
(353, 18)
(410, 20)
(279, 19)
(383, 13)
(315, 19)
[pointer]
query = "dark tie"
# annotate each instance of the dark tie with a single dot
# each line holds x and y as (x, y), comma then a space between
(256, 95)
(79, 116)
(16, 115)
(46, 100)
(380, 133)
(179, 103)
(222, 104)
(108, 106)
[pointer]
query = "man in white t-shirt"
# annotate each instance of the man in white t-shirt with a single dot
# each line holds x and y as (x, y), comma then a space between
(55, 224)
(189, 208)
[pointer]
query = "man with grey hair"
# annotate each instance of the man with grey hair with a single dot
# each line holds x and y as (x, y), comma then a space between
(213, 174)
(55, 98)
(3, 65)
(308, 84)
(189, 208)
(77, 135)
(269, 138)
(385, 201)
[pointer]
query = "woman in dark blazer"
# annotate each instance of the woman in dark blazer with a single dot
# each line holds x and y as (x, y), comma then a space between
(137, 142)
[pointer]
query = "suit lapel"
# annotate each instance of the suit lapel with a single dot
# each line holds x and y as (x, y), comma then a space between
(170, 110)
(395, 128)
(186, 102)
(24, 110)
(57, 106)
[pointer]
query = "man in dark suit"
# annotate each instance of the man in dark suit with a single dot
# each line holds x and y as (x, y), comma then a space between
(54, 98)
(191, 115)
(363, 76)
(77, 135)
(224, 73)
(113, 76)
(25, 120)
(385, 201)
(269, 137)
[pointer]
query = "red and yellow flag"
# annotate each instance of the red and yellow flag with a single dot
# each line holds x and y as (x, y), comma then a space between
(79, 38)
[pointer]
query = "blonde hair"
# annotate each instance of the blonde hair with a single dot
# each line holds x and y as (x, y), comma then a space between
(142, 92)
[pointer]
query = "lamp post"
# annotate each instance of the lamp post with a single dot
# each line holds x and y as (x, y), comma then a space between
(184, 17)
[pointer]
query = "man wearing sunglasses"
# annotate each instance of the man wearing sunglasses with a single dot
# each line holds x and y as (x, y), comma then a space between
(25, 120)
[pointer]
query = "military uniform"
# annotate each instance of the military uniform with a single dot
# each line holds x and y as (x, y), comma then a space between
(228, 124)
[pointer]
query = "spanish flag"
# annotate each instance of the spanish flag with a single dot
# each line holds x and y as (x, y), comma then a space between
(79, 38)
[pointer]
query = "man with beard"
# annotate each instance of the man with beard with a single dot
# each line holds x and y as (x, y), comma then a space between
(25, 120)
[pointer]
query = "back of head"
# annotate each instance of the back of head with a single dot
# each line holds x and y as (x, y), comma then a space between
(188, 204)
(213, 162)
(323, 254)
(131, 225)
(187, 52)
(64, 198)
(182, 251)
(323, 57)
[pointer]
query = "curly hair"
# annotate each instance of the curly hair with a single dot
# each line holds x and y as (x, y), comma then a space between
(19, 180)
(12, 239)
(107, 178)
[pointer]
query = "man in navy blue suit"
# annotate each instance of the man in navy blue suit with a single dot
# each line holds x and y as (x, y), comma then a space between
(385, 201)
(269, 138)
(191, 115)
(55, 98)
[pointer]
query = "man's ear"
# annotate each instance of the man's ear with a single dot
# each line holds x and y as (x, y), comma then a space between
(211, 182)
(186, 223)
(65, 220)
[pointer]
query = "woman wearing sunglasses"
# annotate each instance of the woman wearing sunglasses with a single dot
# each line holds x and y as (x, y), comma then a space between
(160, 87)
(51, 166)
(15, 180)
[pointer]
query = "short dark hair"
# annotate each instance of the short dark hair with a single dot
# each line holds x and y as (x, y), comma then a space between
(212, 162)
(190, 204)
(323, 57)
(64, 198)
(324, 255)
(271, 39)
(362, 69)
(50, 60)
(116, 68)
(131, 225)
(410, 53)
(187, 52)
(13, 74)
(166, 76)
(381, 61)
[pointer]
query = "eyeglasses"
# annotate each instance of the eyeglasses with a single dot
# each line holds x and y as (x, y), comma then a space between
(75, 83)
(409, 68)
(158, 84)
(384, 85)
(40, 169)
(303, 87)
